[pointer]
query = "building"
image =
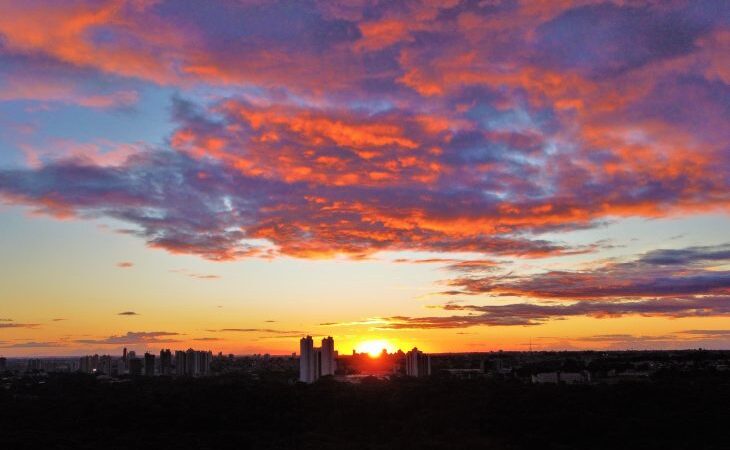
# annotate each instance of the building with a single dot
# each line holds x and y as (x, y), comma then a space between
(3, 364)
(327, 357)
(417, 363)
(180, 363)
(562, 377)
(192, 363)
(165, 362)
(135, 366)
(89, 364)
(105, 365)
(149, 365)
(316, 362)
(307, 360)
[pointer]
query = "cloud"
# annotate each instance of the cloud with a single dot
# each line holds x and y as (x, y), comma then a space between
(58, 319)
(33, 344)
(657, 273)
(254, 330)
(18, 325)
(199, 276)
(681, 339)
(442, 127)
(125, 264)
(530, 314)
(134, 337)
(708, 333)
(128, 313)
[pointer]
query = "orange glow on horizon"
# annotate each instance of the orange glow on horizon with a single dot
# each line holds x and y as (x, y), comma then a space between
(375, 347)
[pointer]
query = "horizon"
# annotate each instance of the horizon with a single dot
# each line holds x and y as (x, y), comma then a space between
(456, 176)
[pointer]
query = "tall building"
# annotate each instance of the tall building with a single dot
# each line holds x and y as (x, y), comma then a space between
(327, 357)
(135, 366)
(417, 363)
(316, 362)
(3, 364)
(180, 363)
(87, 364)
(192, 363)
(149, 365)
(306, 360)
(105, 365)
(165, 362)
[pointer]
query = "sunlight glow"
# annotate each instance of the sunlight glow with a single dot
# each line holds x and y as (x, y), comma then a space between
(375, 347)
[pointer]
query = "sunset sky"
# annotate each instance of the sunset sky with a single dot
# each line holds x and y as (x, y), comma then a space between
(453, 175)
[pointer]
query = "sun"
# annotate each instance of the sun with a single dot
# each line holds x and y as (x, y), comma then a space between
(375, 347)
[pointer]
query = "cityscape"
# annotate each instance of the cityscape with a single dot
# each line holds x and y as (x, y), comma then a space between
(365, 224)
(313, 363)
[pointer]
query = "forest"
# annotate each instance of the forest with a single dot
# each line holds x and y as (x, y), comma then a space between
(75, 411)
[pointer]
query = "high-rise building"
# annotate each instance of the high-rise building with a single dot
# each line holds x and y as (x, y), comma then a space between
(180, 363)
(306, 360)
(135, 366)
(3, 364)
(149, 365)
(417, 363)
(165, 362)
(192, 363)
(316, 362)
(327, 357)
(105, 365)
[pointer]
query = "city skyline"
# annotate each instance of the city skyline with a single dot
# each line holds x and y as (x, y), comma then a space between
(452, 176)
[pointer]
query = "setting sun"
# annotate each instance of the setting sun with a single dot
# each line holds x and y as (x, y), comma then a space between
(375, 347)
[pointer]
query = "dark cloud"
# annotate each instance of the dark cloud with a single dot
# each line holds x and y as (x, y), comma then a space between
(524, 314)
(254, 330)
(658, 273)
(134, 337)
(19, 325)
(128, 313)
(33, 344)
(708, 333)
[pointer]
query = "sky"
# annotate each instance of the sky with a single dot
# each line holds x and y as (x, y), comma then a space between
(454, 175)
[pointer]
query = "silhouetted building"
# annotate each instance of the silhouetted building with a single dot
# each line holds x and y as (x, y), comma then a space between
(417, 363)
(34, 365)
(562, 377)
(149, 365)
(327, 357)
(180, 363)
(105, 365)
(89, 364)
(307, 360)
(192, 363)
(3, 364)
(135, 366)
(165, 362)
(316, 362)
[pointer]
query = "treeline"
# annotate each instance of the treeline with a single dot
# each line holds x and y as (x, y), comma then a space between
(79, 412)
